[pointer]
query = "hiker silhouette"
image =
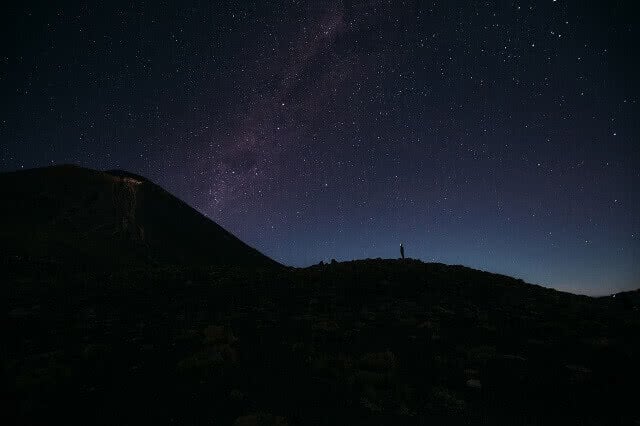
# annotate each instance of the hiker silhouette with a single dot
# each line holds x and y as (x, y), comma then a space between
(401, 250)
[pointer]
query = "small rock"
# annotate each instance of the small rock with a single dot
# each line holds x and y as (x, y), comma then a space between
(474, 384)
(260, 420)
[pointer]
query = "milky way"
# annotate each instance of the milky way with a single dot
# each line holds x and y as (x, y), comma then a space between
(499, 135)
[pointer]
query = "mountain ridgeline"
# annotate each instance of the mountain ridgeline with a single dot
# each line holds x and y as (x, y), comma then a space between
(73, 214)
(123, 305)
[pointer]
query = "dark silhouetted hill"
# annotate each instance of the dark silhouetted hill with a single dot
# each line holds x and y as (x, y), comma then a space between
(73, 214)
(198, 331)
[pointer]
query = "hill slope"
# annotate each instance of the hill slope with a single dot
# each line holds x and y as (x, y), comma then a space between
(367, 342)
(197, 331)
(68, 213)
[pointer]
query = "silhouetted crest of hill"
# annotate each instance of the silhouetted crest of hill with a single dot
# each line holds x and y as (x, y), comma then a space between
(72, 214)
(201, 329)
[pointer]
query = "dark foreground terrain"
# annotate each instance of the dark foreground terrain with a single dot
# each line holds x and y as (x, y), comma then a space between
(122, 305)
(365, 342)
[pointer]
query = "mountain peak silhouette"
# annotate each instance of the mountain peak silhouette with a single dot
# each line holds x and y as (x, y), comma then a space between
(74, 214)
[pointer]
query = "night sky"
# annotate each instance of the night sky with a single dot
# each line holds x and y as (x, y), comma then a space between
(499, 135)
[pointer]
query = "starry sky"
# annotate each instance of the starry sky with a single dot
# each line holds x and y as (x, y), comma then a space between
(502, 135)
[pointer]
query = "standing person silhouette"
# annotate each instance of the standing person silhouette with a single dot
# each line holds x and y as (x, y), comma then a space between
(401, 250)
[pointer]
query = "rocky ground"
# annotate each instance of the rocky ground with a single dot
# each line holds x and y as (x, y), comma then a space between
(365, 342)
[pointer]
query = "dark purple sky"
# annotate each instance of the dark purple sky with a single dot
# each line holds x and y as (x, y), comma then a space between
(499, 135)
